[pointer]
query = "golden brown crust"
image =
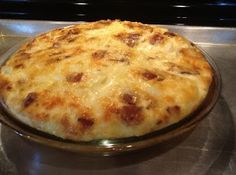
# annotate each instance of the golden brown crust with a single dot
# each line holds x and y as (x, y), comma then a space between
(105, 79)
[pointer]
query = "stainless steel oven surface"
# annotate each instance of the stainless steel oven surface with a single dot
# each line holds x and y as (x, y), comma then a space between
(188, 12)
(210, 149)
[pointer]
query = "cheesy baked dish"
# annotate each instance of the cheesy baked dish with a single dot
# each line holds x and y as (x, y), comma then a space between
(103, 80)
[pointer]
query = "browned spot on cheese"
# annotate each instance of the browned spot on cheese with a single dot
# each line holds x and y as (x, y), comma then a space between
(156, 38)
(74, 77)
(130, 39)
(159, 122)
(52, 102)
(131, 114)
(148, 75)
(4, 84)
(67, 56)
(110, 110)
(164, 119)
(189, 72)
(70, 40)
(53, 60)
(8, 87)
(152, 58)
(56, 45)
(86, 122)
(18, 66)
(129, 98)
(173, 110)
(170, 34)
(91, 39)
(30, 44)
(99, 54)
(30, 98)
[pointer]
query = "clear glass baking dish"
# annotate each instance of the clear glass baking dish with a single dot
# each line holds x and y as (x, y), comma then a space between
(115, 146)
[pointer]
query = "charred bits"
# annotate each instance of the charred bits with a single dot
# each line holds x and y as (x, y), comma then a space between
(18, 66)
(170, 34)
(86, 122)
(148, 75)
(155, 39)
(173, 110)
(74, 77)
(189, 72)
(30, 98)
(99, 54)
(131, 114)
(129, 98)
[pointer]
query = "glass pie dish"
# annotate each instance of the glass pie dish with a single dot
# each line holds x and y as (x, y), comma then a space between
(115, 146)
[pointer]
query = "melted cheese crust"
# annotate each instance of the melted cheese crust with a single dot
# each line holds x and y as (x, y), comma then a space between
(105, 79)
